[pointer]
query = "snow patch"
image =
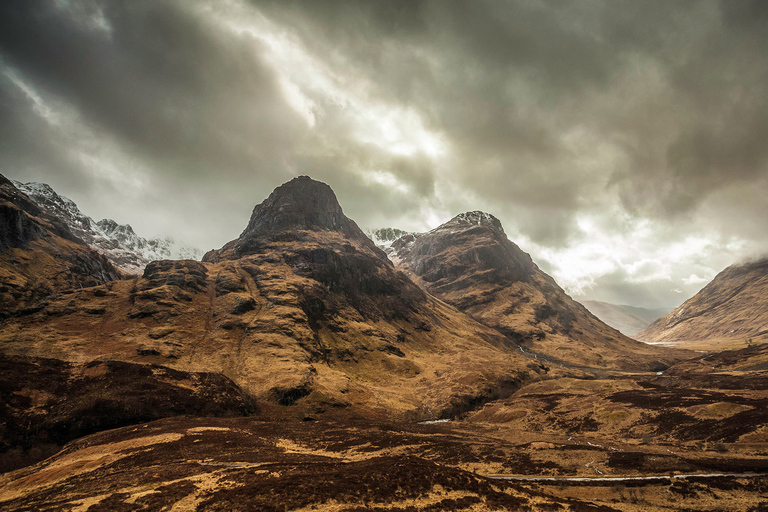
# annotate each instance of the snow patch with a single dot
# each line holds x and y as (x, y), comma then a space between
(384, 237)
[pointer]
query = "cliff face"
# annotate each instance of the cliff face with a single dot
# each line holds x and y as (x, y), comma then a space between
(470, 263)
(302, 224)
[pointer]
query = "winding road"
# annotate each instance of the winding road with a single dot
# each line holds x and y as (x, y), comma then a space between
(619, 479)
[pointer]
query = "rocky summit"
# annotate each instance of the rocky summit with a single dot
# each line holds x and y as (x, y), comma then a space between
(299, 206)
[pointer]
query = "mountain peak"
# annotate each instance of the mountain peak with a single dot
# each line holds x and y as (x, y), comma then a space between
(471, 219)
(295, 210)
(115, 230)
(476, 217)
(302, 203)
(718, 313)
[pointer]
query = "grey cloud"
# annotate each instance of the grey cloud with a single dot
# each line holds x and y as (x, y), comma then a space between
(719, 84)
(503, 82)
(347, 167)
(506, 80)
(162, 80)
(28, 146)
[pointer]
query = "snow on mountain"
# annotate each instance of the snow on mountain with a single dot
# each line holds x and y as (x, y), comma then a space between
(118, 242)
(384, 237)
(475, 217)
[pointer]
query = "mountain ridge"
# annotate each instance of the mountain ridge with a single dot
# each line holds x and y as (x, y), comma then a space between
(302, 309)
(470, 263)
(337, 359)
(41, 258)
(118, 242)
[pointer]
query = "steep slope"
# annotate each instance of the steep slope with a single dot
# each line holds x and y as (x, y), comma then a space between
(732, 308)
(118, 242)
(301, 309)
(470, 263)
(625, 319)
(44, 401)
(40, 257)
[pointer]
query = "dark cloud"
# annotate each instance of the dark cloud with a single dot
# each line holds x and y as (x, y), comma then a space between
(158, 77)
(506, 80)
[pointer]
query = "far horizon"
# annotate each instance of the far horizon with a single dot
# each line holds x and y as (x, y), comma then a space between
(619, 143)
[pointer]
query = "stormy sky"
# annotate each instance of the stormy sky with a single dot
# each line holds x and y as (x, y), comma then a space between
(623, 144)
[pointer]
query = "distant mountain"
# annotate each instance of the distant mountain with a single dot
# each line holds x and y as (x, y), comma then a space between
(649, 315)
(470, 263)
(732, 307)
(118, 242)
(629, 320)
(40, 257)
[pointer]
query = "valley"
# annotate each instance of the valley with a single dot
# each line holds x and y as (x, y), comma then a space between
(300, 367)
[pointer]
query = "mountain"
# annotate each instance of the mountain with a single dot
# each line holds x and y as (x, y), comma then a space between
(48, 400)
(331, 357)
(40, 257)
(302, 309)
(628, 320)
(732, 308)
(471, 264)
(118, 242)
(383, 237)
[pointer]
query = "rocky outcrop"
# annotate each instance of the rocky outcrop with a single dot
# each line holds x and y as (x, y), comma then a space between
(303, 223)
(484, 252)
(292, 213)
(300, 204)
(45, 403)
(22, 221)
(384, 237)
